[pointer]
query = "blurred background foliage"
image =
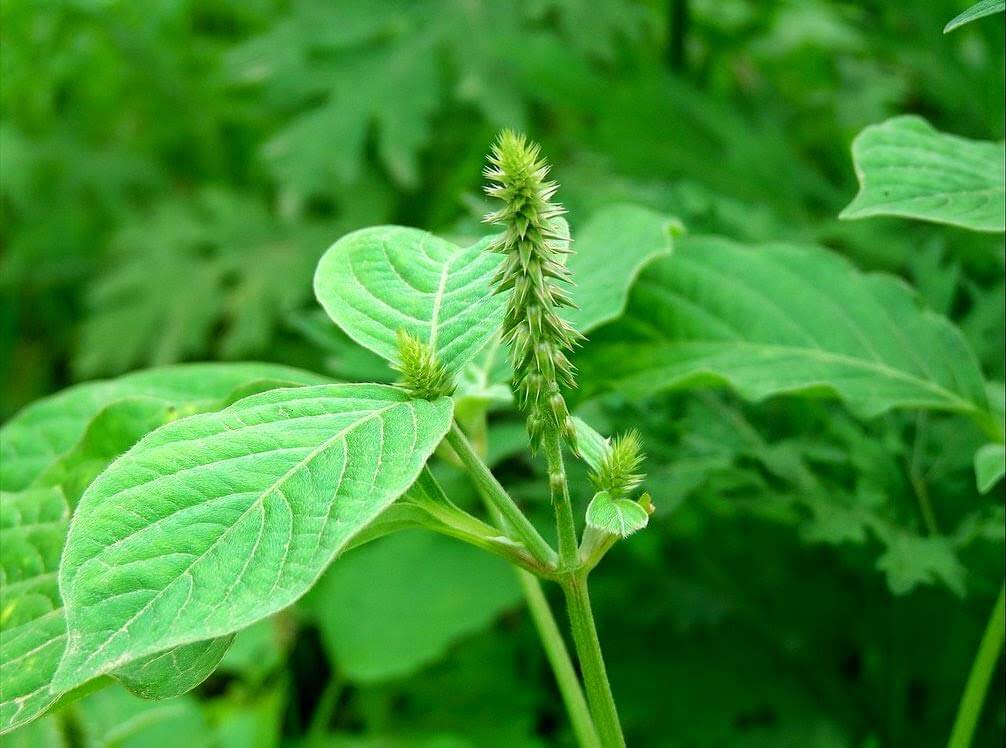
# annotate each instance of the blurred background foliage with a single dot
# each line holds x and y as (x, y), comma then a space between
(171, 170)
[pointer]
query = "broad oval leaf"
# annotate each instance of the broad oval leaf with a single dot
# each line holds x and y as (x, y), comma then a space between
(215, 521)
(379, 280)
(434, 591)
(612, 248)
(44, 431)
(906, 168)
(784, 319)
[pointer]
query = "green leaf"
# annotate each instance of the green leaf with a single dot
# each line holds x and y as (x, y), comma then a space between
(906, 168)
(377, 281)
(32, 631)
(912, 560)
(592, 446)
(433, 592)
(979, 10)
(612, 248)
(44, 432)
(782, 319)
(216, 272)
(990, 466)
(241, 511)
(616, 516)
(174, 672)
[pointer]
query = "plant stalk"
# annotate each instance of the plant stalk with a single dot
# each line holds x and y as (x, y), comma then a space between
(548, 630)
(980, 676)
(581, 617)
(558, 657)
(497, 496)
(559, 489)
(588, 650)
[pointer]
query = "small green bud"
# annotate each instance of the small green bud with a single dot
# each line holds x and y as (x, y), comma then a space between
(617, 474)
(422, 373)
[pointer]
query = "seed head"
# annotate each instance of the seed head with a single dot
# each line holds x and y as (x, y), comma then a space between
(535, 274)
(617, 474)
(422, 374)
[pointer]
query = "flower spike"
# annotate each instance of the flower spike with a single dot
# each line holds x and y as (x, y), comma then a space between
(534, 271)
(423, 376)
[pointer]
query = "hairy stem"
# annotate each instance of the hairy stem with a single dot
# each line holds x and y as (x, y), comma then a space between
(558, 487)
(981, 673)
(588, 650)
(497, 496)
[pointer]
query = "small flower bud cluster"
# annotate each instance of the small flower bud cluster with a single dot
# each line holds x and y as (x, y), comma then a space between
(618, 472)
(422, 374)
(534, 272)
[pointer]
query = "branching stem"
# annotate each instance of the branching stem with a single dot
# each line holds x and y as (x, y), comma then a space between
(496, 495)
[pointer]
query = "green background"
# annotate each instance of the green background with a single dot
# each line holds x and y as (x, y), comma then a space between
(171, 171)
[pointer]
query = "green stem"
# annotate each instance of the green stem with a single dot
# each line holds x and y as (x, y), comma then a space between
(564, 524)
(548, 633)
(588, 649)
(499, 498)
(574, 585)
(558, 657)
(981, 674)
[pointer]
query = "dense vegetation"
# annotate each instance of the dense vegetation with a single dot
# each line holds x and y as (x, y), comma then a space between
(820, 399)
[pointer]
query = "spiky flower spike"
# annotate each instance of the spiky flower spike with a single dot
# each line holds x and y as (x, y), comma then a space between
(617, 474)
(533, 269)
(422, 374)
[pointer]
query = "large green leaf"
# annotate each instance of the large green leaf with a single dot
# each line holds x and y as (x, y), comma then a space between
(434, 591)
(990, 466)
(907, 168)
(215, 521)
(611, 250)
(377, 281)
(43, 432)
(782, 319)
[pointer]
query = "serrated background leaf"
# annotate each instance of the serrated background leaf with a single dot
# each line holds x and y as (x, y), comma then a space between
(376, 281)
(907, 168)
(990, 466)
(252, 503)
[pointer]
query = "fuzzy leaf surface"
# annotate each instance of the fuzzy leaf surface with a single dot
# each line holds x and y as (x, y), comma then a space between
(215, 521)
(783, 319)
(907, 168)
(176, 671)
(32, 632)
(620, 517)
(376, 281)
